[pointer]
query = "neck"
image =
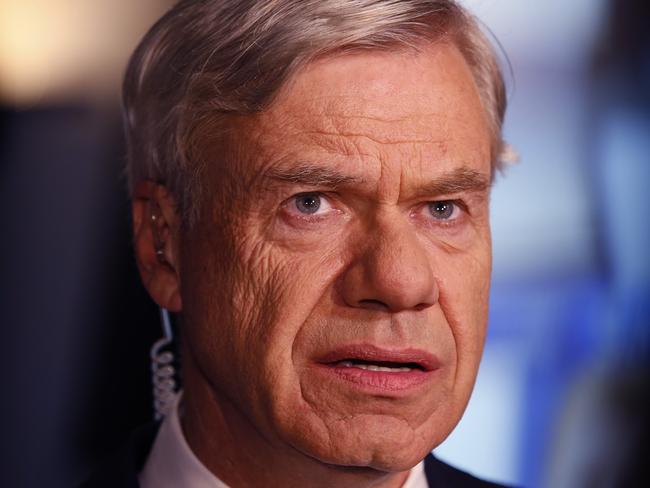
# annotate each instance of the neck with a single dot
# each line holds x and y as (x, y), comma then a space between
(228, 444)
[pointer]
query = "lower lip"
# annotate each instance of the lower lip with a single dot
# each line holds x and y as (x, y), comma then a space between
(378, 381)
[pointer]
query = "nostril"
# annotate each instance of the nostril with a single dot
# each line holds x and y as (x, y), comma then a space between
(421, 306)
(373, 304)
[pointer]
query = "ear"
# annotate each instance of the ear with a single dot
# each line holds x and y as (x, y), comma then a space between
(156, 240)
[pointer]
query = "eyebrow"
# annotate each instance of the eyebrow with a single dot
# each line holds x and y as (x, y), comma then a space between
(457, 181)
(310, 175)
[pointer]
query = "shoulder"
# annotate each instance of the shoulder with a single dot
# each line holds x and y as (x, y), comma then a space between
(441, 475)
(121, 470)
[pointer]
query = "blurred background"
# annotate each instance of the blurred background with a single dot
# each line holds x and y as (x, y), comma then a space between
(562, 394)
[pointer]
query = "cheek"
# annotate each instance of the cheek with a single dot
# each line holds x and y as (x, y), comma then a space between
(231, 289)
(245, 305)
(464, 295)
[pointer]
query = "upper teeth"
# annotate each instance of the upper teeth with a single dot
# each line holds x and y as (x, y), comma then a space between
(373, 367)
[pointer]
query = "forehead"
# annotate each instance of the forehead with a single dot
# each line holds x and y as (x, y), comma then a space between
(404, 110)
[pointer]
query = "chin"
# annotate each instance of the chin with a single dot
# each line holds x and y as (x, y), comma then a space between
(380, 442)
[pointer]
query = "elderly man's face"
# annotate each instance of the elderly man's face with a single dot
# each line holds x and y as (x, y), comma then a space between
(335, 288)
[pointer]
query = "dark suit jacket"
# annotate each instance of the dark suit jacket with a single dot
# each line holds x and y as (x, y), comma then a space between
(121, 471)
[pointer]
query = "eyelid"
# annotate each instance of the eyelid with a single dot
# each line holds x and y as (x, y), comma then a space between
(461, 204)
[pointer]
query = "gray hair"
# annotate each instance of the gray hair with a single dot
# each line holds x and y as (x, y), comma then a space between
(207, 59)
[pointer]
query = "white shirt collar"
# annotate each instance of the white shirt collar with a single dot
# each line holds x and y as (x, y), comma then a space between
(171, 462)
(417, 478)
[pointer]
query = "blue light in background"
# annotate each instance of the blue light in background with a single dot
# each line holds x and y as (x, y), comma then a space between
(571, 238)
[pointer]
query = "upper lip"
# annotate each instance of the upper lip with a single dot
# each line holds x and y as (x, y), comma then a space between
(375, 354)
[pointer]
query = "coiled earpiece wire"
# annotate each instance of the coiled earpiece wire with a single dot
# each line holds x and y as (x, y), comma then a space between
(162, 369)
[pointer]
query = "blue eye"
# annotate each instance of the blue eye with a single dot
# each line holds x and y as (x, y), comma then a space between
(308, 203)
(442, 210)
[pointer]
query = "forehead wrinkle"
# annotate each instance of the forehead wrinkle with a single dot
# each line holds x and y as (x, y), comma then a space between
(333, 142)
(382, 118)
(377, 140)
(381, 110)
(410, 129)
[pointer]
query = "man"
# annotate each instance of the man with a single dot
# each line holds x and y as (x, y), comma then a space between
(310, 186)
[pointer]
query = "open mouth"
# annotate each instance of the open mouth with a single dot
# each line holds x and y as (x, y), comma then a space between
(371, 358)
(372, 369)
(379, 366)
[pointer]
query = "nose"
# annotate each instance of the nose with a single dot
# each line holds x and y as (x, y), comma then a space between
(392, 272)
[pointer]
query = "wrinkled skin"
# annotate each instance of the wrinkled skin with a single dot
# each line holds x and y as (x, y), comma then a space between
(265, 290)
